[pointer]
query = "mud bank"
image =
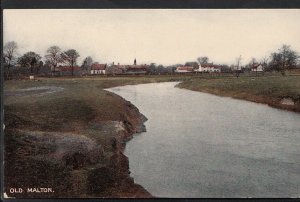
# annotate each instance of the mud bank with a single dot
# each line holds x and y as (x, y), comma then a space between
(72, 164)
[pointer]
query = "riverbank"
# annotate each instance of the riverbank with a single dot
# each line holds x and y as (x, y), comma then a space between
(72, 163)
(228, 147)
(70, 141)
(69, 134)
(276, 91)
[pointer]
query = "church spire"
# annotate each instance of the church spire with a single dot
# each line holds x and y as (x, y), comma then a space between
(134, 61)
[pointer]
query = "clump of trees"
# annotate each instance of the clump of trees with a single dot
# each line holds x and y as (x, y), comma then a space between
(53, 56)
(31, 62)
(160, 69)
(284, 59)
(70, 58)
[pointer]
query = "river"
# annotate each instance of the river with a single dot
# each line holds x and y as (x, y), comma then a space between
(202, 145)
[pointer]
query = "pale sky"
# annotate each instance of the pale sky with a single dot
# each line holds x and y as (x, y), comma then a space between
(163, 36)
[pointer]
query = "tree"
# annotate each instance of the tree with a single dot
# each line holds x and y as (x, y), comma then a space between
(284, 59)
(53, 56)
(203, 60)
(87, 63)
(29, 59)
(161, 69)
(9, 54)
(70, 57)
(152, 68)
(39, 67)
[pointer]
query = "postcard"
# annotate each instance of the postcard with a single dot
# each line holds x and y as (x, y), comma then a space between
(144, 103)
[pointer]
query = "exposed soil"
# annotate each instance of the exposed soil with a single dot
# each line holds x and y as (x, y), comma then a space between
(72, 164)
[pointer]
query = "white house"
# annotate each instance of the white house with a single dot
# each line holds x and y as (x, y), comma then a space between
(208, 68)
(98, 68)
(257, 68)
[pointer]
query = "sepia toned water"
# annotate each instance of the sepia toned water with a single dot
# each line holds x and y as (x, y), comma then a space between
(202, 145)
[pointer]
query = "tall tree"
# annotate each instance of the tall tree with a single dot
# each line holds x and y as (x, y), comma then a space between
(203, 60)
(284, 59)
(53, 56)
(70, 57)
(9, 54)
(29, 59)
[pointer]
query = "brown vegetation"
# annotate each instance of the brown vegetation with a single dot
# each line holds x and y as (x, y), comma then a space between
(269, 90)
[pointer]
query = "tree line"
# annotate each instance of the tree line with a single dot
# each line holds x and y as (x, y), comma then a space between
(32, 61)
(283, 59)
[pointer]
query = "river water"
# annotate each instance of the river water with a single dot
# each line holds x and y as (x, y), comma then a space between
(202, 145)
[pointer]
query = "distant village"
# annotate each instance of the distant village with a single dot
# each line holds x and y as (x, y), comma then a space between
(64, 63)
(145, 69)
(140, 69)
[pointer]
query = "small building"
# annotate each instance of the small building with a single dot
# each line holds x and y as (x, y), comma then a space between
(209, 67)
(98, 68)
(184, 69)
(257, 68)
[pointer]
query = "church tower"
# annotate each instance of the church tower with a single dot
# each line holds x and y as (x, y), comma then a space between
(134, 63)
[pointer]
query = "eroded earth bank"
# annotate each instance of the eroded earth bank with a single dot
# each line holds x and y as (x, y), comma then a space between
(61, 146)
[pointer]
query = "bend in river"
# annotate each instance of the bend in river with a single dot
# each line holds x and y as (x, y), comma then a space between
(202, 145)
